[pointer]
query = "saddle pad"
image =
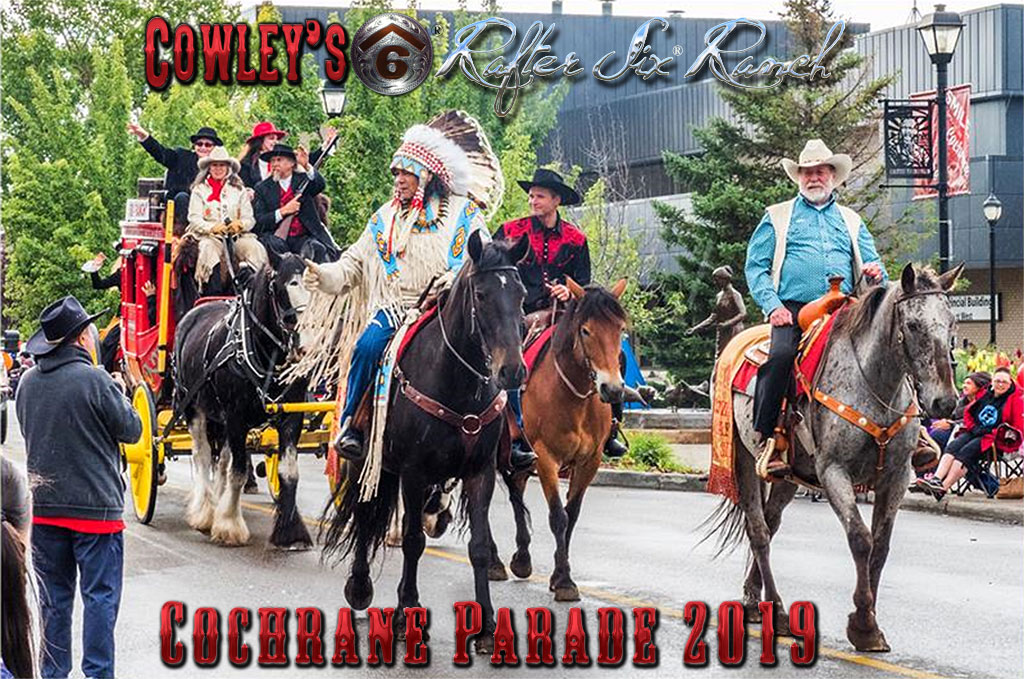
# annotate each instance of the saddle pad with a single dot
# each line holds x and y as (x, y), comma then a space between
(414, 329)
(534, 350)
(812, 348)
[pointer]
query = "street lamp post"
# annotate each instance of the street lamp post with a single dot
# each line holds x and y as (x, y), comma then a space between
(333, 101)
(940, 32)
(993, 211)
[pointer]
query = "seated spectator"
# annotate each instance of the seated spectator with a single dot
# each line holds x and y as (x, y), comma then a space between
(1000, 403)
(220, 207)
(940, 430)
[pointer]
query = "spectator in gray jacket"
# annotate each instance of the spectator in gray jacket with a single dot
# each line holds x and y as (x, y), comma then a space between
(72, 416)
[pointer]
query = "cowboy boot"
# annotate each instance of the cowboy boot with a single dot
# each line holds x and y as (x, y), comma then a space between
(349, 442)
(613, 447)
(521, 457)
(771, 462)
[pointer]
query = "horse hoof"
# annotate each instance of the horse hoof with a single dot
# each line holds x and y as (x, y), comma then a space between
(521, 567)
(866, 640)
(298, 546)
(569, 593)
(782, 623)
(496, 572)
(484, 644)
(752, 614)
(358, 592)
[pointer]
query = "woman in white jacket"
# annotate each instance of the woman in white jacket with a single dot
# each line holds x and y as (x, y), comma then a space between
(219, 208)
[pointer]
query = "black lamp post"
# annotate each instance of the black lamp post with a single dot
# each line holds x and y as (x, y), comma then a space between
(993, 211)
(333, 101)
(940, 31)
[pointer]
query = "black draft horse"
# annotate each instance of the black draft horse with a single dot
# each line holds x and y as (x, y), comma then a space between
(226, 358)
(462, 359)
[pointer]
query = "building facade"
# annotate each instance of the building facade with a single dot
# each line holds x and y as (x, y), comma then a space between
(631, 121)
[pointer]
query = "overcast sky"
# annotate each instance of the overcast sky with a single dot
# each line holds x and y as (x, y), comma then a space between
(878, 14)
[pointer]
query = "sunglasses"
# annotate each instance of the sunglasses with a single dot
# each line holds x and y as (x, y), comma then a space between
(204, 144)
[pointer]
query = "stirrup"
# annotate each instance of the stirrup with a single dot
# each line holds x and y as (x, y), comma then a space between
(764, 457)
(764, 460)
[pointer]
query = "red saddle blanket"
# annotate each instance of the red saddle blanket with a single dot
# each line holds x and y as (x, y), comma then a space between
(414, 330)
(535, 348)
(812, 350)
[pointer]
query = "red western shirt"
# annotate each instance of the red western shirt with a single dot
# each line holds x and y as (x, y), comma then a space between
(554, 254)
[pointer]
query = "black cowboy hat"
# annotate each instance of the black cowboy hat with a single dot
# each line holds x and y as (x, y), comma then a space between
(279, 150)
(206, 133)
(61, 321)
(549, 179)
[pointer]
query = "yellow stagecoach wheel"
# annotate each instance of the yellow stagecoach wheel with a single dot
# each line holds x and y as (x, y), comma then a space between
(273, 480)
(141, 456)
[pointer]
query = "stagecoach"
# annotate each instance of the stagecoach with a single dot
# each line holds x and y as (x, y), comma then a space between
(146, 245)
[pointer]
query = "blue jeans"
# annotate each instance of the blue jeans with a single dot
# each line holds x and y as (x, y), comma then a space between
(365, 359)
(60, 555)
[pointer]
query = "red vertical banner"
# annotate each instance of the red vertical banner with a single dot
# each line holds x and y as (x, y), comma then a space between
(958, 136)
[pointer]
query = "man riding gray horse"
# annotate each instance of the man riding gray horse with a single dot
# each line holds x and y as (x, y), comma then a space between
(797, 246)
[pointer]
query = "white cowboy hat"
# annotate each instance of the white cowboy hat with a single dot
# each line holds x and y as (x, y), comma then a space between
(816, 153)
(219, 155)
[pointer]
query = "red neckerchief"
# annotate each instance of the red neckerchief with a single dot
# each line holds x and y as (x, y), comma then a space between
(215, 188)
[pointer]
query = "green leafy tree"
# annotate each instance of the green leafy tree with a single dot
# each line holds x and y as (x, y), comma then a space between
(738, 174)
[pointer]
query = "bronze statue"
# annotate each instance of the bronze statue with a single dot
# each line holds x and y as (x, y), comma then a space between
(729, 312)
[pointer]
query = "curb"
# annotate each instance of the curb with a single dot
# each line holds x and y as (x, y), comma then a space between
(1009, 511)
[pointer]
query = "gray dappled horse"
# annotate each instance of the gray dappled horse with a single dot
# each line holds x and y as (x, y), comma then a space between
(893, 343)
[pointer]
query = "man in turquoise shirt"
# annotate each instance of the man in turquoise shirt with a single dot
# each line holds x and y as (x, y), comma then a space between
(797, 246)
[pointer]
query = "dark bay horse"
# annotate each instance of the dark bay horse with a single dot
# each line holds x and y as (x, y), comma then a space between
(567, 419)
(226, 357)
(887, 350)
(463, 359)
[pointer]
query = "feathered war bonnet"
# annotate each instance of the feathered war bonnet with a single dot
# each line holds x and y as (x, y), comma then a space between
(454, 148)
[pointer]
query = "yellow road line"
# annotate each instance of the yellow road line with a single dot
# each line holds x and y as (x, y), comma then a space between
(675, 613)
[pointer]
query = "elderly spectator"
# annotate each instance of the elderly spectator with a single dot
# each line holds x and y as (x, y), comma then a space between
(999, 404)
(72, 416)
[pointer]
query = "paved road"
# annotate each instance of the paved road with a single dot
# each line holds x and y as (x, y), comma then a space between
(951, 598)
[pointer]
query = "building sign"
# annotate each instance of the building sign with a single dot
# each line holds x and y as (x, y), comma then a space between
(975, 308)
(958, 135)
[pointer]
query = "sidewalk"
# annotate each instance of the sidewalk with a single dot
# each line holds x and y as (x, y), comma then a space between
(974, 505)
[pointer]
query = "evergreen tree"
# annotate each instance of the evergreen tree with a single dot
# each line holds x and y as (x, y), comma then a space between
(739, 173)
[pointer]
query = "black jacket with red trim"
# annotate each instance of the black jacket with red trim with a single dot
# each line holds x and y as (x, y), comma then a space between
(554, 254)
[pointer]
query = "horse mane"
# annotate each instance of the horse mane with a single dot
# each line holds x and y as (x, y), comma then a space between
(598, 303)
(860, 317)
(259, 287)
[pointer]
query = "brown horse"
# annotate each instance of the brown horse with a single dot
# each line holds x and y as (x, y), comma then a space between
(576, 378)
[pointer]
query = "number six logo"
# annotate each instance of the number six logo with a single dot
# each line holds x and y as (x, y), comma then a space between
(392, 54)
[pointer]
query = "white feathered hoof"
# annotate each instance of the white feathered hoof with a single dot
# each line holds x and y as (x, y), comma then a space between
(200, 516)
(230, 532)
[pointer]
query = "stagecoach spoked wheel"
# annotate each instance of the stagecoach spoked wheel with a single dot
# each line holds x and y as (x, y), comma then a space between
(141, 456)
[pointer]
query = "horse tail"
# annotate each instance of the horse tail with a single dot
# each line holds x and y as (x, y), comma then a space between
(346, 522)
(728, 522)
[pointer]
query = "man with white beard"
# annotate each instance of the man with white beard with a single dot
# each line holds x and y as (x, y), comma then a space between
(797, 247)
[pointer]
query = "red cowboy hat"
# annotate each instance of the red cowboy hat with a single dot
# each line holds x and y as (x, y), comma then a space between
(263, 129)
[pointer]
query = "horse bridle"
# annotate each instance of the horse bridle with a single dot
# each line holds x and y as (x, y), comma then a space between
(587, 363)
(473, 324)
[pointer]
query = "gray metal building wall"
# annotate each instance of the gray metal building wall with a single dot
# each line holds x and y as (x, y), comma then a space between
(990, 57)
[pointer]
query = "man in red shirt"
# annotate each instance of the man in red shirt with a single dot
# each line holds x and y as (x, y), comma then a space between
(558, 250)
(73, 415)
